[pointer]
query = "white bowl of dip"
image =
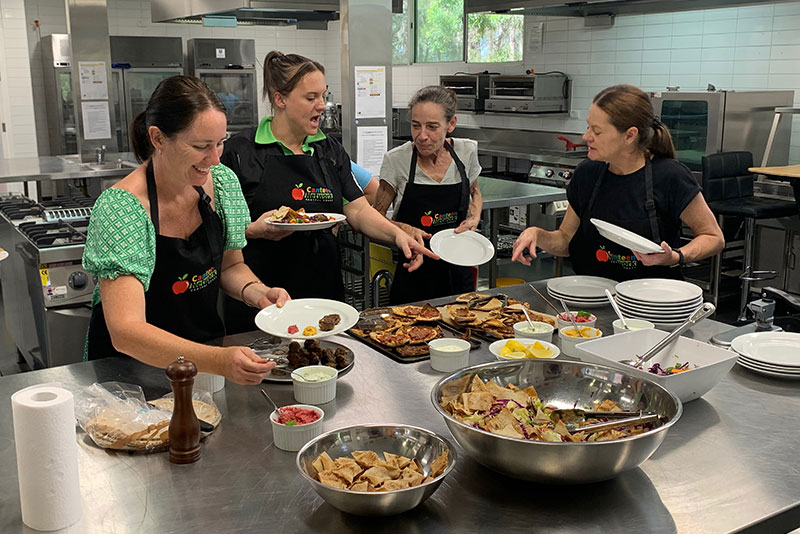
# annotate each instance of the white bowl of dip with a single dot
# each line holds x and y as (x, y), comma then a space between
(540, 330)
(314, 384)
(449, 354)
(633, 324)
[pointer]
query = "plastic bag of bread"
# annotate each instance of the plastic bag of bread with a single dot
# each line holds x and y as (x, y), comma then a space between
(117, 416)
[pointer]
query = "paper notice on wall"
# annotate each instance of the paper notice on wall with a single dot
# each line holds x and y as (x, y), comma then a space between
(370, 92)
(533, 38)
(93, 80)
(96, 120)
(371, 146)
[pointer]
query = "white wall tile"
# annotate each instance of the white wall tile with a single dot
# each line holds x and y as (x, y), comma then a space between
(688, 28)
(752, 52)
(657, 43)
(658, 30)
(718, 40)
(718, 54)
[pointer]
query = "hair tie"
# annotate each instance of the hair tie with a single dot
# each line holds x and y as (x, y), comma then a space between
(656, 123)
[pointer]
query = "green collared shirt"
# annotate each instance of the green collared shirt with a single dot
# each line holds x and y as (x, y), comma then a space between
(264, 136)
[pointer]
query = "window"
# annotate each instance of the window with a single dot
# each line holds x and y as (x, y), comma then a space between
(440, 30)
(401, 37)
(494, 38)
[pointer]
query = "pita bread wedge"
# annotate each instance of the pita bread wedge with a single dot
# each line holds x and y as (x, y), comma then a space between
(466, 297)
(429, 313)
(407, 311)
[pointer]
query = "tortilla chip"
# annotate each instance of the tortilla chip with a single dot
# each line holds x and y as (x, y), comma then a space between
(396, 460)
(606, 406)
(477, 384)
(439, 464)
(366, 459)
(323, 462)
(413, 478)
(531, 392)
(391, 470)
(375, 475)
(561, 428)
(478, 401)
(361, 485)
(509, 431)
(416, 466)
(347, 470)
(504, 418)
(332, 479)
(391, 485)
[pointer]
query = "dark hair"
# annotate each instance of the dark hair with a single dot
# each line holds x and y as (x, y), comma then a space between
(436, 94)
(628, 106)
(282, 73)
(172, 108)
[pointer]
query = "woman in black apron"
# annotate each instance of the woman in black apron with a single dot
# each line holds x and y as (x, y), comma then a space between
(287, 161)
(423, 209)
(179, 135)
(631, 180)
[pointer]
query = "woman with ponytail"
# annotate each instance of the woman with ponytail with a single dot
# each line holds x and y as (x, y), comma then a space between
(167, 238)
(632, 180)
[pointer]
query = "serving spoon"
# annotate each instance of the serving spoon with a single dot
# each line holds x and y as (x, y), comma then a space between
(527, 318)
(616, 309)
(700, 313)
(271, 401)
(571, 318)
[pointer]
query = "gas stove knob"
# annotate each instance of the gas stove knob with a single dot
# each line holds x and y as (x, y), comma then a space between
(78, 280)
(565, 175)
(549, 173)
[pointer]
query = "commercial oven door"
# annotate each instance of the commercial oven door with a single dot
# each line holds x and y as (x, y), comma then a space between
(695, 122)
(64, 335)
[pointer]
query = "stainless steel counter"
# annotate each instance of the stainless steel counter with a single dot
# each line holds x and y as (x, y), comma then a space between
(62, 168)
(498, 194)
(729, 463)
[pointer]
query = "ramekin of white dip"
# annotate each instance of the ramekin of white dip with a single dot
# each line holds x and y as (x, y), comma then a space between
(449, 354)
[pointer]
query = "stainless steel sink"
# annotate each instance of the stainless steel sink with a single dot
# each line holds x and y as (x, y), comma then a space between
(109, 166)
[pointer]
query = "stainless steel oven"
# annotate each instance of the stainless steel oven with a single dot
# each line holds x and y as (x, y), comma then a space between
(530, 93)
(721, 121)
(472, 89)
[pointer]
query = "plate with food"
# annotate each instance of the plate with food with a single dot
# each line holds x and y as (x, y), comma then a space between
(291, 355)
(286, 218)
(307, 319)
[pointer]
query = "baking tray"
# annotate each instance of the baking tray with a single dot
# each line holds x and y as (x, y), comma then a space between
(275, 346)
(371, 315)
(474, 331)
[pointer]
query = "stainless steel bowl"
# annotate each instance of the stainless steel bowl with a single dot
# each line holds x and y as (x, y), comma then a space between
(408, 441)
(565, 385)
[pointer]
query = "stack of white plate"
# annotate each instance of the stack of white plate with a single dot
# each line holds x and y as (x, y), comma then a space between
(582, 291)
(667, 303)
(775, 354)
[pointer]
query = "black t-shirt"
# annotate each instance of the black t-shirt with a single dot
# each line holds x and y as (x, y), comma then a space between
(247, 159)
(623, 197)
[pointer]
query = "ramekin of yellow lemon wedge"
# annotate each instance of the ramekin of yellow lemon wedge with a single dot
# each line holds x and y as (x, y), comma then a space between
(522, 348)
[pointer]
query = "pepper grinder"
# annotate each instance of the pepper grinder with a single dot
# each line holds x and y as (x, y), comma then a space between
(184, 428)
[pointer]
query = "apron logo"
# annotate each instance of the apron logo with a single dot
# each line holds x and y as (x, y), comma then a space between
(195, 283)
(297, 192)
(312, 194)
(626, 262)
(438, 218)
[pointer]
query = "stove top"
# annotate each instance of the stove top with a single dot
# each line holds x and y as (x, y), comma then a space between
(56, 234)
(18, 209)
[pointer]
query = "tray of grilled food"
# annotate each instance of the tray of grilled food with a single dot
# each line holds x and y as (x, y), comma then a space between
(488, 317)
(402, 332)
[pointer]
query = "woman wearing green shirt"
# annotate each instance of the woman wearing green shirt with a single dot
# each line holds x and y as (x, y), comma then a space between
(168, 237)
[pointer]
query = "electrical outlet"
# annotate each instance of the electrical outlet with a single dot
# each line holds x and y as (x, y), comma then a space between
(575, 114)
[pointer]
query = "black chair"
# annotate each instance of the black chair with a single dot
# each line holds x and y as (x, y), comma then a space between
(728, 190)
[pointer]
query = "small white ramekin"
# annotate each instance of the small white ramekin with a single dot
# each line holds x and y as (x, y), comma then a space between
(448, 361)
(568, 342)
(293, 437)
(561, 323)
(633, 324)
(314, 392)
(545, 335)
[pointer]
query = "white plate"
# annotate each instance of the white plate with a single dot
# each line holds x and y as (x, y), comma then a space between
(573, 297)
(581, 287)
(3, 254)
(468, 249)
(659, 290)
(775, 348)
(762, 371)
(668, 308)
(769, 366)
(626, 238)
(299, 227)
(573, 303)
(303, 313)
(495, 347)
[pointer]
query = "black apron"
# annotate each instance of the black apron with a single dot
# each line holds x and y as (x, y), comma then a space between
(305, 263)
(593, 254)
(182, 297)
(432, 208)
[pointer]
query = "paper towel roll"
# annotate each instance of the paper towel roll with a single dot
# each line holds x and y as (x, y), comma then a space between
(47, 457)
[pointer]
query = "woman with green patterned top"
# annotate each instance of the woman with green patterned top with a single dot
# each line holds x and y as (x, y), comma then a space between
(166, 239)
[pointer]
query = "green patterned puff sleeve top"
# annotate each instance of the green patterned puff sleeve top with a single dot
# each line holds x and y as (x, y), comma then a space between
(122, 241)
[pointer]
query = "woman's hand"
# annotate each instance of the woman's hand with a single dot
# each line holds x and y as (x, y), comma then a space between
(415, 233)
(261, 229)
(666, 257)
(243, 366)
(526, 240)
(470, 223)
(274, 295)
(412, 250)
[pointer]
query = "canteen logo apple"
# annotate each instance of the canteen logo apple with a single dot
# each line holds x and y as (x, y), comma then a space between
(181, 285)
(297, 192)
(426, 220)
(601, 255)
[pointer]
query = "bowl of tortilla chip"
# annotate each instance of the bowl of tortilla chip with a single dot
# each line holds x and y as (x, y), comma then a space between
(376, 470)
(527, 418)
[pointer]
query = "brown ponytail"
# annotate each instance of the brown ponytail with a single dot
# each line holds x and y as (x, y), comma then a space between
(282, 73)
(172, 108)
(628, 106)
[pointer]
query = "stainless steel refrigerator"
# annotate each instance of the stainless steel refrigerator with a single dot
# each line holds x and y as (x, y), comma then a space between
(139, 64)
(57, 71)
(228, 66)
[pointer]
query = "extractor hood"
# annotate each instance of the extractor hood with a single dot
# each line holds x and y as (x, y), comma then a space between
(598, 7)
(263, 12)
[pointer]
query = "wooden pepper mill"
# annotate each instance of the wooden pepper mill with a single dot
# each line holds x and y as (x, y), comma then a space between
(184, 428)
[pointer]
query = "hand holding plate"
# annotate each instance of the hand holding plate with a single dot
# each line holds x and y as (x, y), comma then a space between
(666, 257)
(274, 295)
(263, 230)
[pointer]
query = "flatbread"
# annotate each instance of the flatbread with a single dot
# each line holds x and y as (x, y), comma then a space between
(466, 297)
(421, 334)
(412, 350)
(389, 339)
(407, 311)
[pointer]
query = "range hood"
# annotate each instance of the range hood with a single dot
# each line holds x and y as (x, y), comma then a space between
(588, 8)
(259, 12)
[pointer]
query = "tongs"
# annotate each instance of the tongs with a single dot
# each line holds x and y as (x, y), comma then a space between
(639, 419)
(472, 304)
(281, 361)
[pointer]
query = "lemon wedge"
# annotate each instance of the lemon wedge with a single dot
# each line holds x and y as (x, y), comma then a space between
(515, 355)
(512, 345)
(540, 352)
